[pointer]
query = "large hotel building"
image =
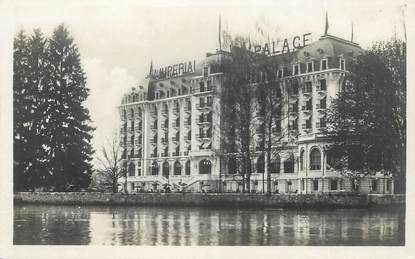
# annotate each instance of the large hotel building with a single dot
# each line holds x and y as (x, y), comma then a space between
(171, 127)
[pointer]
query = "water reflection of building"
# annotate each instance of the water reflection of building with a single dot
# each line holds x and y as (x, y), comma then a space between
(200, 226)
(171, 130)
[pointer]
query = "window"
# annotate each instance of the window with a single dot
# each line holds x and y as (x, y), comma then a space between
(342, 64)
(307, 125)
(131, 169)
(308, 87)
(323, 64)
(310, 67)
(388, 185)
(323, 103)
(323, 86)
(289, 164)
(315, 159)
(166, 169)
(302, 160)
(296, 69)
(189, 135)
(293, 90)
(260, 165)
(315, 185)
(187, 167)
(209, 85)
(205, 166)
(177, 168)
(289, 185)
(322, 122)
(275, 165)
(374, 185)
(202, 86)
(205, 71)
(132, 140)
(132, 114)
(333, 184)
(154, 168)
(209, 101)
(303, 184)
(202, 102)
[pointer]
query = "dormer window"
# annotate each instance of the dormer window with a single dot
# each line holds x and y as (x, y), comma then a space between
(310, 67)
(342, 64)
(296, 69)
(205, 71)
(323, 64)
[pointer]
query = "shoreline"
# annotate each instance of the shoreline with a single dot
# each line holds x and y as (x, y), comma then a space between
(257, 200)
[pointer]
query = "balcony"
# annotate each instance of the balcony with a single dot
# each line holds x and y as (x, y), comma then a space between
(321, 107)
(175, 139)
(307, 127)
(306, 108)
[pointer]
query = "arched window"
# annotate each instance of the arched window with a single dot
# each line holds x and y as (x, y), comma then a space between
(260, 165)
(232, 165)
(289, 164)
(205, 166)
(177, 168)
(132, 140)
(131, 169)
(187, 167)
(132, 152)
(139, 112)
(315, 159)
(166, 169)
(302, 160)
(154, 168)
(275, 165)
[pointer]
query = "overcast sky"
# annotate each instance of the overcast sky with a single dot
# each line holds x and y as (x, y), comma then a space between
(117, 41)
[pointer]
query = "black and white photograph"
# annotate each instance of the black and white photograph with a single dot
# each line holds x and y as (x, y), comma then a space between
(207, 125)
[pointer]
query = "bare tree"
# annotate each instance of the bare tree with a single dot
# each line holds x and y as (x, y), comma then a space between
(110, 163)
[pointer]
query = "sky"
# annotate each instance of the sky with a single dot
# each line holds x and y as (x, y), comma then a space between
(118, 39)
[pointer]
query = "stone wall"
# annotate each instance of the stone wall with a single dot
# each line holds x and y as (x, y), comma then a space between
(213, 199)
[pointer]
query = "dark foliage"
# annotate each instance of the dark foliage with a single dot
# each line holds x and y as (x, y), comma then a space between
(368, 117)
(52, 134)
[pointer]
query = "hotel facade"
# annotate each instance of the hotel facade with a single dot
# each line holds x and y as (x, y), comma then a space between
(171, 127)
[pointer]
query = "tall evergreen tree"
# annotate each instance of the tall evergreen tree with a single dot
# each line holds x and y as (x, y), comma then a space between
(68, 121)
(51, 125)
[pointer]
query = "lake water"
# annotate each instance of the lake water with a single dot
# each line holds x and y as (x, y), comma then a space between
(100, 225)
